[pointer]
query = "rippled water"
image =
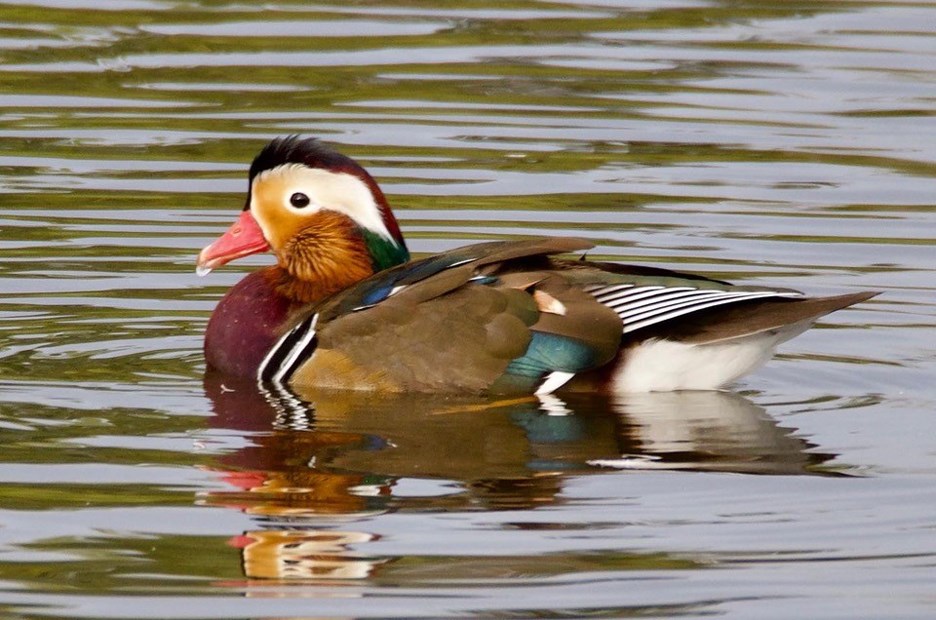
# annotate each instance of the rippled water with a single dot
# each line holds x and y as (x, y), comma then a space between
(789, 143)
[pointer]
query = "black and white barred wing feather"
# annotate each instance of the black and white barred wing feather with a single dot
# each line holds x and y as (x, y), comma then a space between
(642, 306)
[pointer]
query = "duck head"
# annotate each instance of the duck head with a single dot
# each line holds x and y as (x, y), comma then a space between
(320, 213)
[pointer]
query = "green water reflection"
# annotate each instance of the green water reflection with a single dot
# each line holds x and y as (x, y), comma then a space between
(785, 143)
(312, 470)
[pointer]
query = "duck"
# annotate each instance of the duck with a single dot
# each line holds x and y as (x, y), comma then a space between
(345, 307)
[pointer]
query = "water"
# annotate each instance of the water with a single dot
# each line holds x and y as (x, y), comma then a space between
(788, 143)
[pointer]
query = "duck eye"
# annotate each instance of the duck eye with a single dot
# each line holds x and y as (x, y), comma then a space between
(299, 200)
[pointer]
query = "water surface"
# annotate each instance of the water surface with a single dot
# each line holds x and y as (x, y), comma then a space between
(788, 144)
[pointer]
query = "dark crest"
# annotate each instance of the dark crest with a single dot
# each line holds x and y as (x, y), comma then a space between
(298, 150)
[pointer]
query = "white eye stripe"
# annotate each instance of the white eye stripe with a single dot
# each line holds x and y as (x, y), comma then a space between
(335, 191)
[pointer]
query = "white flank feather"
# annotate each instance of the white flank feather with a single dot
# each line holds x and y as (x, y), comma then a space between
(665, 365)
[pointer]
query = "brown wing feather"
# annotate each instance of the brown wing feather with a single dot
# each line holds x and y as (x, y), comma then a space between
(446, 333)
(753, 317)
(460, 341)
(581, 317)
(534, 247)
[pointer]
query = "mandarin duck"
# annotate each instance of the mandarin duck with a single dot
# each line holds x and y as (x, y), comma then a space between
(344, 307)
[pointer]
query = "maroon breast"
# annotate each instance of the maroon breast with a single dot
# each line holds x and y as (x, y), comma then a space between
(246, 323)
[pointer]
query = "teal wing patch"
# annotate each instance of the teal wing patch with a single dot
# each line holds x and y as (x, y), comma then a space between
(547, 353)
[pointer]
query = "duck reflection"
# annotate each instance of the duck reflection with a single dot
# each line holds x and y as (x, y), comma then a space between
(708, 431)
(316, 460)
(306, 554)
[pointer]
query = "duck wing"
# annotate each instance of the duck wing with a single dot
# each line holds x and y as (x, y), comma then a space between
(511, 317)
(491, 316)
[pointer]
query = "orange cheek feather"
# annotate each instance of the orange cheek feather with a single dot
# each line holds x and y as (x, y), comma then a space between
(326, 255)
(279, 224)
